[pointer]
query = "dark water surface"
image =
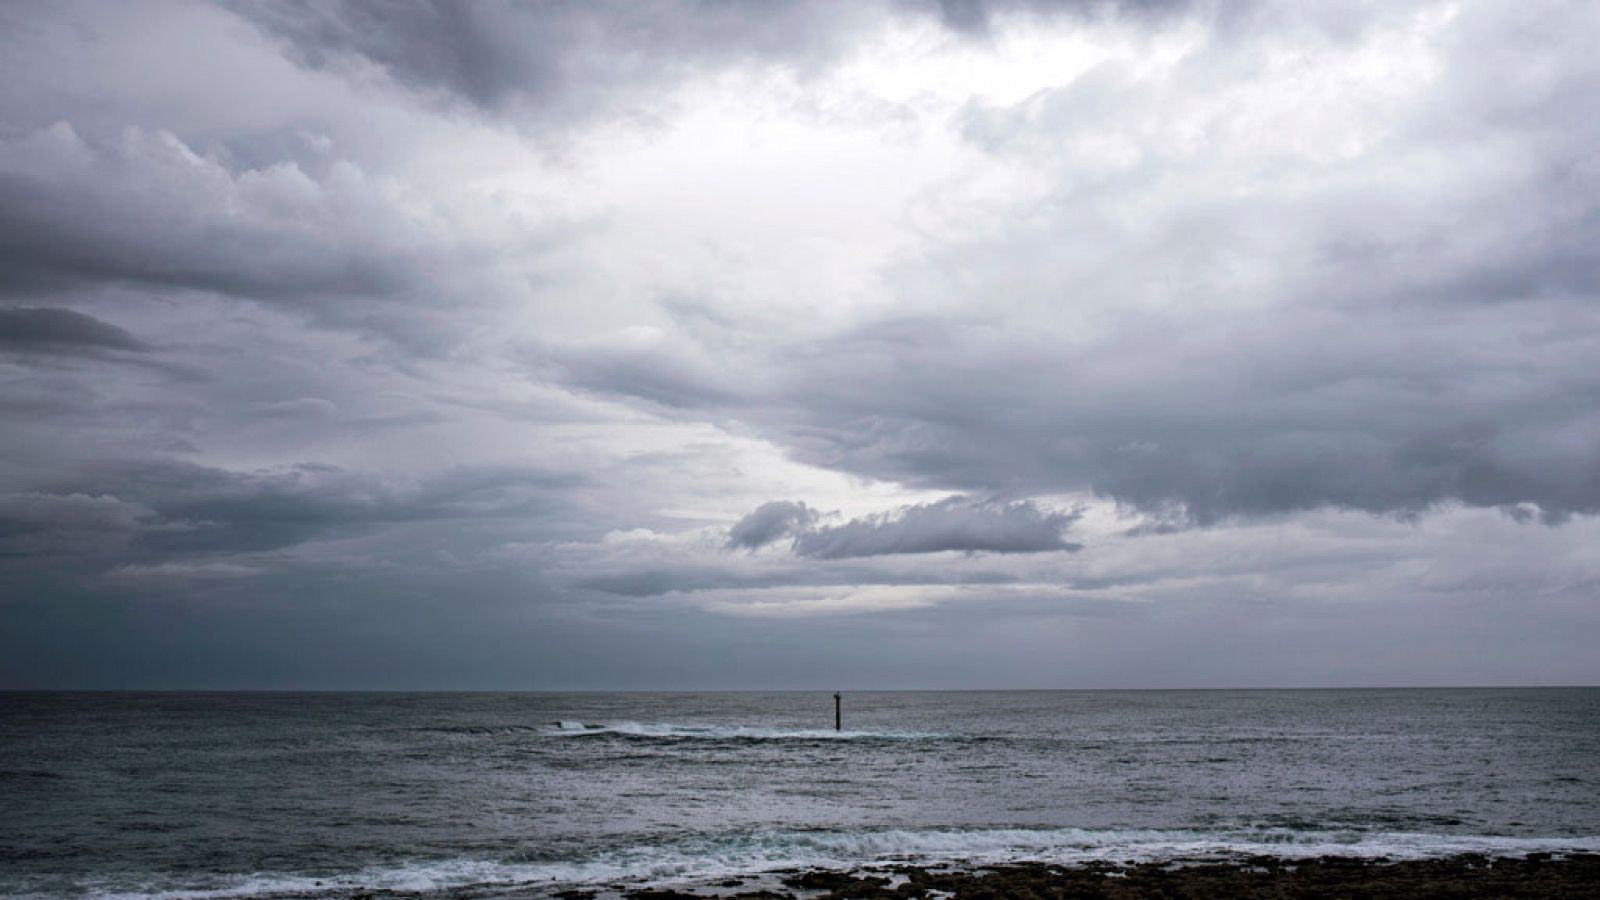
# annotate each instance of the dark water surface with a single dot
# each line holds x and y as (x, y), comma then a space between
(127, 793)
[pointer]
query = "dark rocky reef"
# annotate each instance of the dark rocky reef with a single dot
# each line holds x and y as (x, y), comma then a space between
(1456, 878)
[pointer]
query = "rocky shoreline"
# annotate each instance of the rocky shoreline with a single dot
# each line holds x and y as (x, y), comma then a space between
(1538, 875)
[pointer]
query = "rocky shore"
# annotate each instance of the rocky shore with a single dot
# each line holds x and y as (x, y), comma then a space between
(1468, 876)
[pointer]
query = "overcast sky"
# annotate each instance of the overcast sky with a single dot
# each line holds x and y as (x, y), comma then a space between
(894, 344)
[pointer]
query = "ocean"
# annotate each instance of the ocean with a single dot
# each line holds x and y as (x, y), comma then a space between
(528, 794)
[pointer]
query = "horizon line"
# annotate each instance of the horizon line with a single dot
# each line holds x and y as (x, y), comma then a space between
(787, 690)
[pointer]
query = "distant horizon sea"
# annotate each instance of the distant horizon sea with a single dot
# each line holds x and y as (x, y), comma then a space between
(262, 793)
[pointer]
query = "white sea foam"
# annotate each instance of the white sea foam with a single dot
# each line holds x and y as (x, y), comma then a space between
(713, 858)
(669, 730)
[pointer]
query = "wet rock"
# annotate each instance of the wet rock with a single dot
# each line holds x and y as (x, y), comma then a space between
(1466, 877)
(840, 884)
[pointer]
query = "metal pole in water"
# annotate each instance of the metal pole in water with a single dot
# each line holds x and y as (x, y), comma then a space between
(836, 719)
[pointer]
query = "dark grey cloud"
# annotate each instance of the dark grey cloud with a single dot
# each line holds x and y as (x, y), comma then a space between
(148, 209)
(1227, 419)
(969, 16)
(973, 17)
(145, 210)
(771, 522)
(960, 524)
(957, 524)
(36, 527)
(687, 578)
(164, 511)
(644, 366)
(1371, 406)
(566, 58)
(61, 330)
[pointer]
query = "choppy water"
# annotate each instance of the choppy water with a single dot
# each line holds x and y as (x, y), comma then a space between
(261, 793)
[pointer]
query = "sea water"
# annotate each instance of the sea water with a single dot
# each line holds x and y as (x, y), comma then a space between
(528, 794)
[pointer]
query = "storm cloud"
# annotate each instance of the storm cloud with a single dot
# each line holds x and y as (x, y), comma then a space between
(645, 344)
(957, 524)
(569, 58)
(29, 328)
(496, 55)
(771, 522)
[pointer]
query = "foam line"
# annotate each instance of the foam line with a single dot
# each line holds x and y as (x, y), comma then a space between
(713, 857)
(567, 728)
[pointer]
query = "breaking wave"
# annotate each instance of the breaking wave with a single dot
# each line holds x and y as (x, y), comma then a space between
(707, 859)
(668, 731)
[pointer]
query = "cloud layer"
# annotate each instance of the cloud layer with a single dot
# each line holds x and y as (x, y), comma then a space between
(61, 330)
(469, 345)
(957, 524)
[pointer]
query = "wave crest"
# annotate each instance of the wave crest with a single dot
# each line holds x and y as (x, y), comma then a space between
(671, 731)
(709, 858)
